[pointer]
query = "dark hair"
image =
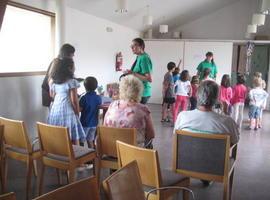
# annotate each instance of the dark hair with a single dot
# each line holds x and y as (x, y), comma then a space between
(90, 83)
(62, 70)
(184, 75)
(225, 81)
(171, 65)
(140, 42)
(209, 53)
(241, 79)
(206, 72)
(66, 50)
(195, 80)
(176, 71)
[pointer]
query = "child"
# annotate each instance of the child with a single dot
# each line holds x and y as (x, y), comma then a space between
(89, 110)
(168, 93)
(257, 98)
(182, 94)
(194, 87)
(238, 100)
(225, 94)
(206, 75)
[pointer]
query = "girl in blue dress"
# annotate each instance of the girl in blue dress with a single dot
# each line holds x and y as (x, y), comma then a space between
(65, 107)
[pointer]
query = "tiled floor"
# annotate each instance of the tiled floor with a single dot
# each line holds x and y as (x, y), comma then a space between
(251, 178)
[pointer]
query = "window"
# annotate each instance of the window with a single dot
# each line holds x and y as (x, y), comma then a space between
(27, 40)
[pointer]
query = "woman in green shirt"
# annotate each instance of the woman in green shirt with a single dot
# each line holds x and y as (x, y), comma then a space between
(142, 68)
(207, 63)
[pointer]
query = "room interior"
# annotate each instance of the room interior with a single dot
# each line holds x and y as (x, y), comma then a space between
(98, 31)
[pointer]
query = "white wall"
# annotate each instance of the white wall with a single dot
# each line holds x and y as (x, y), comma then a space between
(229, 22)
(95, 55)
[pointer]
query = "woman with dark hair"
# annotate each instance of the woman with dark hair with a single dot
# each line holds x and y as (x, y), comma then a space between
(142, 68)
(183, 93)
(66, 51)
(225, 94)
(65, 107)
(207, 63)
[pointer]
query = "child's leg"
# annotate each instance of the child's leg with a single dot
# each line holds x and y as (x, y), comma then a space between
(171, 111)
(164, 111)
(252, 123)
(90, 144)
(184, 103)
(176, 107)
(241, 113)
(260, 119)
(235, 113)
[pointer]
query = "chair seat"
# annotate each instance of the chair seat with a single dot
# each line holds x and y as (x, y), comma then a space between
(79, 152)
(170, 177)
(22, 150)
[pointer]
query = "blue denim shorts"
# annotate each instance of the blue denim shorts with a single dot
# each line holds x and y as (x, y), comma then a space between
(254, 112)
(90, 133)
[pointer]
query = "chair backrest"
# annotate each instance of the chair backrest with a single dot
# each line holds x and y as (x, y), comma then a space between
(15, 134)
(125, 184)
(147, 160)
(85, 189)
(8, 196)
(54, 140)
(201, 155)
(107, 137)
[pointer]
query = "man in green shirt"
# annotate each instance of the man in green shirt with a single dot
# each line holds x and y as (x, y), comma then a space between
(207, 63)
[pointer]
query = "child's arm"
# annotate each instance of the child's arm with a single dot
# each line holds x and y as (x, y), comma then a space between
(74, 100)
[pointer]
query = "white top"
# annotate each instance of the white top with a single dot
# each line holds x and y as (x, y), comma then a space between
(207, 122)
(183, 88)
(258, 97)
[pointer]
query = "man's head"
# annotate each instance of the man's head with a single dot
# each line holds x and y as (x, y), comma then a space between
(207, 94)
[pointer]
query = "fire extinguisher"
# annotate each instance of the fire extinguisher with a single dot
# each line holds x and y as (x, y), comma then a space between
(119, 62)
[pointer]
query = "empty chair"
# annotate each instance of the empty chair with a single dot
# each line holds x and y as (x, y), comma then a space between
(206, 157)
(106, 144)
(58, 151)
(152, 176)
(17, 146)
(85, 189)
(8, 196)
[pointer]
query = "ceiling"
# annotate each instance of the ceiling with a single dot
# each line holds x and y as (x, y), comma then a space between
(171, 12)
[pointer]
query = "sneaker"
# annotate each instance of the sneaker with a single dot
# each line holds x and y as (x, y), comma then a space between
(163, 120)
(168, 120)
(255, 129)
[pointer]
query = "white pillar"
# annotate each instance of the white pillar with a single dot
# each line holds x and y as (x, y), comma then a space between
(60, 21)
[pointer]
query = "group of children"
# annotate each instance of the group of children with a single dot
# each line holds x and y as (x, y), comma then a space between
(179, 93)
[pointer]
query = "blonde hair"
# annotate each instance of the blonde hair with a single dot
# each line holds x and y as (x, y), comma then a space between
(257, 82)
(131, 88)
(257, 75)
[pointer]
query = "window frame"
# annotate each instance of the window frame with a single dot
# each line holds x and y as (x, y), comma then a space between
(40, 11)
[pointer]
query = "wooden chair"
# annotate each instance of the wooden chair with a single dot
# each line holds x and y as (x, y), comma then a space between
(152, 176)
(17, 146)
(2, 161)
(106, 144)
(85, 189)
(8, 196)
(58, 152)
(205, 156)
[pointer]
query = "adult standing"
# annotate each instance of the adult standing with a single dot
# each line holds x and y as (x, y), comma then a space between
(208, 63)
(66, 51)
(142, 68)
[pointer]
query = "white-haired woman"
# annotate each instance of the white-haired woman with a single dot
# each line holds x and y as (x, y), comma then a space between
(129, 113)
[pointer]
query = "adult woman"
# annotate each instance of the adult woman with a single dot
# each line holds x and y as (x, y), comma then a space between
(208, 63)
(129, 113)
(142, 68)
(65, 107)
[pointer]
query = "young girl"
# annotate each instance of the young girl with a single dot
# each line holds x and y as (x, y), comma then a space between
(238, 100)
(194, 86)
(65, 107)
(182, 94)
(206, 75)
(225, 93)
(257, 98)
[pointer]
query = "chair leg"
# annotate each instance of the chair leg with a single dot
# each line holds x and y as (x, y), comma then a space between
(59, 176)
(2, 176)
(29, 176)
(231, 184)
(186, 193)
(35, 168)
(41, 177)
(71, 175)
(5, 169)
(98, 170)
(225, 189)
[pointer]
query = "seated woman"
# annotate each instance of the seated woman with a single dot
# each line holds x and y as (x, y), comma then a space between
(129, 113)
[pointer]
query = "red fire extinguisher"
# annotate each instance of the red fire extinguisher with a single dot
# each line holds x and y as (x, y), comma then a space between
(119, 62)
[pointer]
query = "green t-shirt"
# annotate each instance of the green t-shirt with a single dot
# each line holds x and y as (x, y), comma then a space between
(205, 64)
(143, 66)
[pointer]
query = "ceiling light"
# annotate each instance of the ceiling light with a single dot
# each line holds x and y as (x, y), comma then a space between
(258, 19)
(252, 28)
(121, 6)
(163, 28)
(147, 19)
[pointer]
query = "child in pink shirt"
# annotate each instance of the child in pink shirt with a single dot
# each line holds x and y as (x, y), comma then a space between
(194, 86)
(225, 94)
(238, 100)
